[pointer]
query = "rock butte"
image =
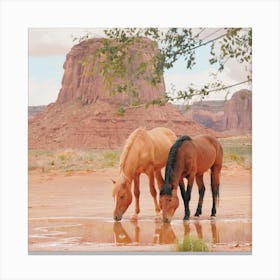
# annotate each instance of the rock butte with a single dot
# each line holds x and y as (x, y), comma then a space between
(84, 114)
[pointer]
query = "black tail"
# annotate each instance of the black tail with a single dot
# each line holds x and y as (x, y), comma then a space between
(218, 195)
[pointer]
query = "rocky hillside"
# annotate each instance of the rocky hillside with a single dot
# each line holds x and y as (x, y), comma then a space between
(86, 116)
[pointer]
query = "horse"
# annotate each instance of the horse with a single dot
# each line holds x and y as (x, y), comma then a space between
(145, 151)
(190, 158)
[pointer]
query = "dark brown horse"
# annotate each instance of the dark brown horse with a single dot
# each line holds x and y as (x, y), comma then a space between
(191, 158)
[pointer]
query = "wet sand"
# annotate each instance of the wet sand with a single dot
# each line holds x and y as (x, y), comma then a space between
(73, 213)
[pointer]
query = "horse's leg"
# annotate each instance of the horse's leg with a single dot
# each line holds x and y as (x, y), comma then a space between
(159, 179)
(215, 183)
(201, 190)
(183, 194)
(134, 216)
(190, 179)
(154, 193)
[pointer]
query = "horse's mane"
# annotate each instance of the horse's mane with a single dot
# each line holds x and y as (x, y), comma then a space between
(127, 147)
(169, 170)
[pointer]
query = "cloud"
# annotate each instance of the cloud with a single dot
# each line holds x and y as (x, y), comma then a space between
(237, 71)
(229, 76)
(56, 41)
(43, 92)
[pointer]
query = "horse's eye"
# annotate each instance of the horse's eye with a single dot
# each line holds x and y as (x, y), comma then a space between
(122, 196)
(169, 200)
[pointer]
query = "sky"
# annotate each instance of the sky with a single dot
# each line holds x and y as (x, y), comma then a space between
(48, 48)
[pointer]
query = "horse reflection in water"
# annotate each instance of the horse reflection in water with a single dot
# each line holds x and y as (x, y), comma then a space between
(122, 237)
(163, 233)
(199, 231)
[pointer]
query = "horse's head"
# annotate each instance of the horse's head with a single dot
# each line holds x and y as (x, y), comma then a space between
(123, 198)
(169, 202)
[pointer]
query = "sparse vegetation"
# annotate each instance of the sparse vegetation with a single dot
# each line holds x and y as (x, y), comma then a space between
(72, 160)
(121, 111)
(110, 158)
(192, 244)
(238, 150)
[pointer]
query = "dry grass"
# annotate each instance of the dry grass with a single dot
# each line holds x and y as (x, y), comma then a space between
(237, 152)
(72, 160)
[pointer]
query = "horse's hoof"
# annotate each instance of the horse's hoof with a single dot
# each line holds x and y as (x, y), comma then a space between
(212, 217)
(134, 218)
(186, 218)
(195, 217)
(157, 218)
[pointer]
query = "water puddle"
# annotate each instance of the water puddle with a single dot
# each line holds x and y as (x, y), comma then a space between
(104, 235)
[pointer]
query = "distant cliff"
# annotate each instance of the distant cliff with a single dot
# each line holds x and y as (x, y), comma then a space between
(34, 110)
(238, 112)
(234, 115)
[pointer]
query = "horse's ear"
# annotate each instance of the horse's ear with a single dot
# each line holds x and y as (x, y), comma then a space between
(114, 182)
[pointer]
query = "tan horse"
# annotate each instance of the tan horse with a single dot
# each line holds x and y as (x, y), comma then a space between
(145, 151)
(190, 159)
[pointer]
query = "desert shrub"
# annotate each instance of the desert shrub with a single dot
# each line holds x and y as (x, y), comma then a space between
(121, 111)
(62, 157)
(192, 244)
(111, 158)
